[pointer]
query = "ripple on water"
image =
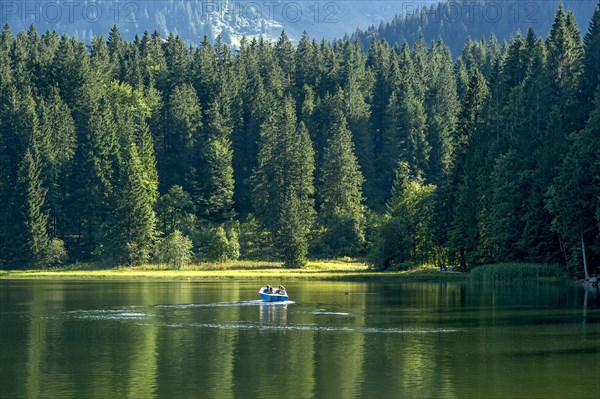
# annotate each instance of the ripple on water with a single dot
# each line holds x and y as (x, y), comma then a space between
(107, 314)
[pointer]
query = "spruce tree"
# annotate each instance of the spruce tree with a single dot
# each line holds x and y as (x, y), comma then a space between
(215, 184)
(19, 54)
(307, 67)
(515, 64)
(116, 51)
(176, 57)
(204, 70)
(71, 68)
(101, 66)
(575, 194)
(153, 58)
(565, 66)
(357, 86)
(23, 232)
(93, 173)
(175, 147)
(285, 54)
(283, 183)
(256, 102)
(29, 240)
(340, 192)
(405, 133)
(385, 71)
(536, 142)
(591, 65)
(129, 233)
(57, 132)
(464, 234)
(441, 107)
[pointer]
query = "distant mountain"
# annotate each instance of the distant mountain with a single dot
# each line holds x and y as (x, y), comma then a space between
(192, 19)
(394, 21)
(456, 20)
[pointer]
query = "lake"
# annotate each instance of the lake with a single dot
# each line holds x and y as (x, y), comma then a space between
(144, 339)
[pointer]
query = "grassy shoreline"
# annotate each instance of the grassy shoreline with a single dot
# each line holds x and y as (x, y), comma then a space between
(318, 270)
(244, 270)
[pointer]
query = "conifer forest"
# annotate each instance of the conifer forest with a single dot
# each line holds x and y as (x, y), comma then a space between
(118, 152)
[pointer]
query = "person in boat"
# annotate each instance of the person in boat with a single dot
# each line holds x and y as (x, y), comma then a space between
(267, 288)
(281, 290)
(270, 290)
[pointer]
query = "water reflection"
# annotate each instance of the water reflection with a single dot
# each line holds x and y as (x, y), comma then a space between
(590, 295)
(207, 340)
(273, 312)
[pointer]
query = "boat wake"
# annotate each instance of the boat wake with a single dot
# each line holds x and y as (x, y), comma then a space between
(108, 314)
(257, 302)
(326, 312)
(303, 327)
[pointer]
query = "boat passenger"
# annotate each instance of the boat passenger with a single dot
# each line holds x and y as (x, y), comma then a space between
(270, 290)
(267, 288)
(281, 290)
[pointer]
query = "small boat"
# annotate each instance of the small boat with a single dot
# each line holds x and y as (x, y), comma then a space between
(265, 296)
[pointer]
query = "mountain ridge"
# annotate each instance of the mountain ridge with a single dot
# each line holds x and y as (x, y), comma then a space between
(192, 19)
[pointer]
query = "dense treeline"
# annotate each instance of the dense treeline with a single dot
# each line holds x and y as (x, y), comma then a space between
(125, 151)
(456, 21)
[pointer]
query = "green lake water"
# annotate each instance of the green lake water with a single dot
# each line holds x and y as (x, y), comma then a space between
(105, 339)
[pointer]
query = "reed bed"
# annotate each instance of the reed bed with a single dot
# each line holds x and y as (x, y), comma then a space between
(509, 273)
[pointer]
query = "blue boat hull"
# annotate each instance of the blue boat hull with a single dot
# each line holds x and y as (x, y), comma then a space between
(273, 297)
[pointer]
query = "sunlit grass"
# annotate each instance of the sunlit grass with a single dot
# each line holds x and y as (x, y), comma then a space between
(341, 269)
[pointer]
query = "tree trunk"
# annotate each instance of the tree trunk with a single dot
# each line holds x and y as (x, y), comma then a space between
(563, 251)
(585, 266)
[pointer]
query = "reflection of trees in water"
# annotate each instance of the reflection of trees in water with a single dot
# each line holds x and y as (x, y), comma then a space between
(273, 313)
(590, 296)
